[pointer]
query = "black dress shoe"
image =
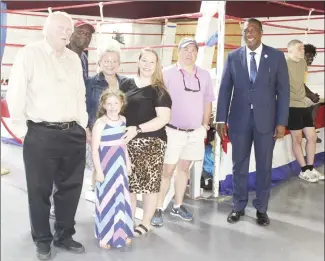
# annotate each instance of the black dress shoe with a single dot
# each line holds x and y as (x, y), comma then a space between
(43, 251)
(262, 219)
(234, 216)
(70, 245)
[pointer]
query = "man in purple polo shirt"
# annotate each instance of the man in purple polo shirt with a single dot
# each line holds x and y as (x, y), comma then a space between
(190, 88)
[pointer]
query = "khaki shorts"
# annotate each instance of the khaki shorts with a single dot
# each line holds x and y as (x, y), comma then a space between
(184, 145)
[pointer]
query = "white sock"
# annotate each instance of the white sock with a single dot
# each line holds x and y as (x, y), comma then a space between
(177, 206)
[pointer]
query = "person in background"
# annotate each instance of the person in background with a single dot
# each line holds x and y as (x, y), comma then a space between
(80, 40)
(113, 218)
(254, 102)
(300, 119)
(312, 99)
(147, 112)
(47, 91)
(192, 94)
(109, 61)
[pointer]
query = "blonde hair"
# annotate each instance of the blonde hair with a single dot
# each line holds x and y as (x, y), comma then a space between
(50, 19)
(105, 95)
(157, 77)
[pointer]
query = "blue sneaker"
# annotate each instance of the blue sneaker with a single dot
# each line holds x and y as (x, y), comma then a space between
(182, 213)
(158, 220)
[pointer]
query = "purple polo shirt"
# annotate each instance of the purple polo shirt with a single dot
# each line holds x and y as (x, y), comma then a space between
(188, 107)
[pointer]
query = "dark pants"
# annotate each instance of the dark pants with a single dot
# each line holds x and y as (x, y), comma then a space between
(53, 155)
(241, 150)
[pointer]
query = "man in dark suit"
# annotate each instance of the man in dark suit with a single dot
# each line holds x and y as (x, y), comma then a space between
(256, 82)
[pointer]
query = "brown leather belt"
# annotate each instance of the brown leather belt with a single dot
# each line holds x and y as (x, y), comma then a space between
(180, 129)
(55, 125)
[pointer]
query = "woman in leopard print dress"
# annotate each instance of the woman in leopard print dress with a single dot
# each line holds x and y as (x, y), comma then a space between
(147, 112)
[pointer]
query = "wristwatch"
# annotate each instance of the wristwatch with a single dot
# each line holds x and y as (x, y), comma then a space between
(139, 129)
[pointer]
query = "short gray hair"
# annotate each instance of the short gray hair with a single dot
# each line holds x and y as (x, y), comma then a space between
(110, 49)
(293, 43)
(49, 20)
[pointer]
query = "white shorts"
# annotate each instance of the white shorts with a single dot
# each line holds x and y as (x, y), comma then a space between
(184, 145)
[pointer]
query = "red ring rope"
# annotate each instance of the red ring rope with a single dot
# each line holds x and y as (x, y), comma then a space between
(275, 25)
(9, 131)
(39, 28)
(189, 16)
(298, 7)
(227, 46)
(285, 20)
(64, 7)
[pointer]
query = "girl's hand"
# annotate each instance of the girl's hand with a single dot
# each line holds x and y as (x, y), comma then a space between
(99, 176)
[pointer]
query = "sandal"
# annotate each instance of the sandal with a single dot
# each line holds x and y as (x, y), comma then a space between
(105, 246)
(140, 230)
(128, 241)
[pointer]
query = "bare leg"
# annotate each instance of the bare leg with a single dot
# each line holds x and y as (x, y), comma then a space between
(296, 136)
(149, 208)
(181, 180)
(133, 205)
(167, 174)
(311, 138)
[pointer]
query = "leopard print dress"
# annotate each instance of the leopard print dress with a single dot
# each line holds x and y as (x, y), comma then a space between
(147, 157)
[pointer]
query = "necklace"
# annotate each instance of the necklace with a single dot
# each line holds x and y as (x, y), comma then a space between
(112, 119)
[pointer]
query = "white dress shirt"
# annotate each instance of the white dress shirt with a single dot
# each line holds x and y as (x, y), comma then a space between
(44, 87)
(257, 57)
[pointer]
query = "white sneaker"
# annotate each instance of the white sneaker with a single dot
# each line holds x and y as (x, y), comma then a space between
(308, 176)
(317, 174)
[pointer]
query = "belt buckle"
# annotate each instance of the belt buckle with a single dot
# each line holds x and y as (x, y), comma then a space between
(65, 124)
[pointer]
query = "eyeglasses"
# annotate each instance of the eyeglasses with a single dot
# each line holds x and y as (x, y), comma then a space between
(185, 87)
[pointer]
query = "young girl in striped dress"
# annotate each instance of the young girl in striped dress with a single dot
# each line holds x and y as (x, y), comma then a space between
(113, 215)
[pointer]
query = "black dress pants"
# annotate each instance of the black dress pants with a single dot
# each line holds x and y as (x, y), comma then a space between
(53, 155)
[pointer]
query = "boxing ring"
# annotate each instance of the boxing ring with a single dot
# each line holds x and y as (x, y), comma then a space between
(210, 33)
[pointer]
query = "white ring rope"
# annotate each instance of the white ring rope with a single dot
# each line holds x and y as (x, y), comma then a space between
(308, 28)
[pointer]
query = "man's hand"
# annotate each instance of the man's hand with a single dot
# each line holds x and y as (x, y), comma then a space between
(222, 130)
(22, 139)
(279, 132)
(314, 97)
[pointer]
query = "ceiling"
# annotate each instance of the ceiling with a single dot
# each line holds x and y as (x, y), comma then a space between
(143, 9)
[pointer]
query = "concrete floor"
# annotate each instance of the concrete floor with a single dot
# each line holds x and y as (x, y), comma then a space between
(296, 232)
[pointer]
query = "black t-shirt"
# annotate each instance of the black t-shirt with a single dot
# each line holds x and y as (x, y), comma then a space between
(141, 104)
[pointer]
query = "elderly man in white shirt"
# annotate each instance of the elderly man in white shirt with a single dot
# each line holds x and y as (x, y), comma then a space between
(46, 100)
